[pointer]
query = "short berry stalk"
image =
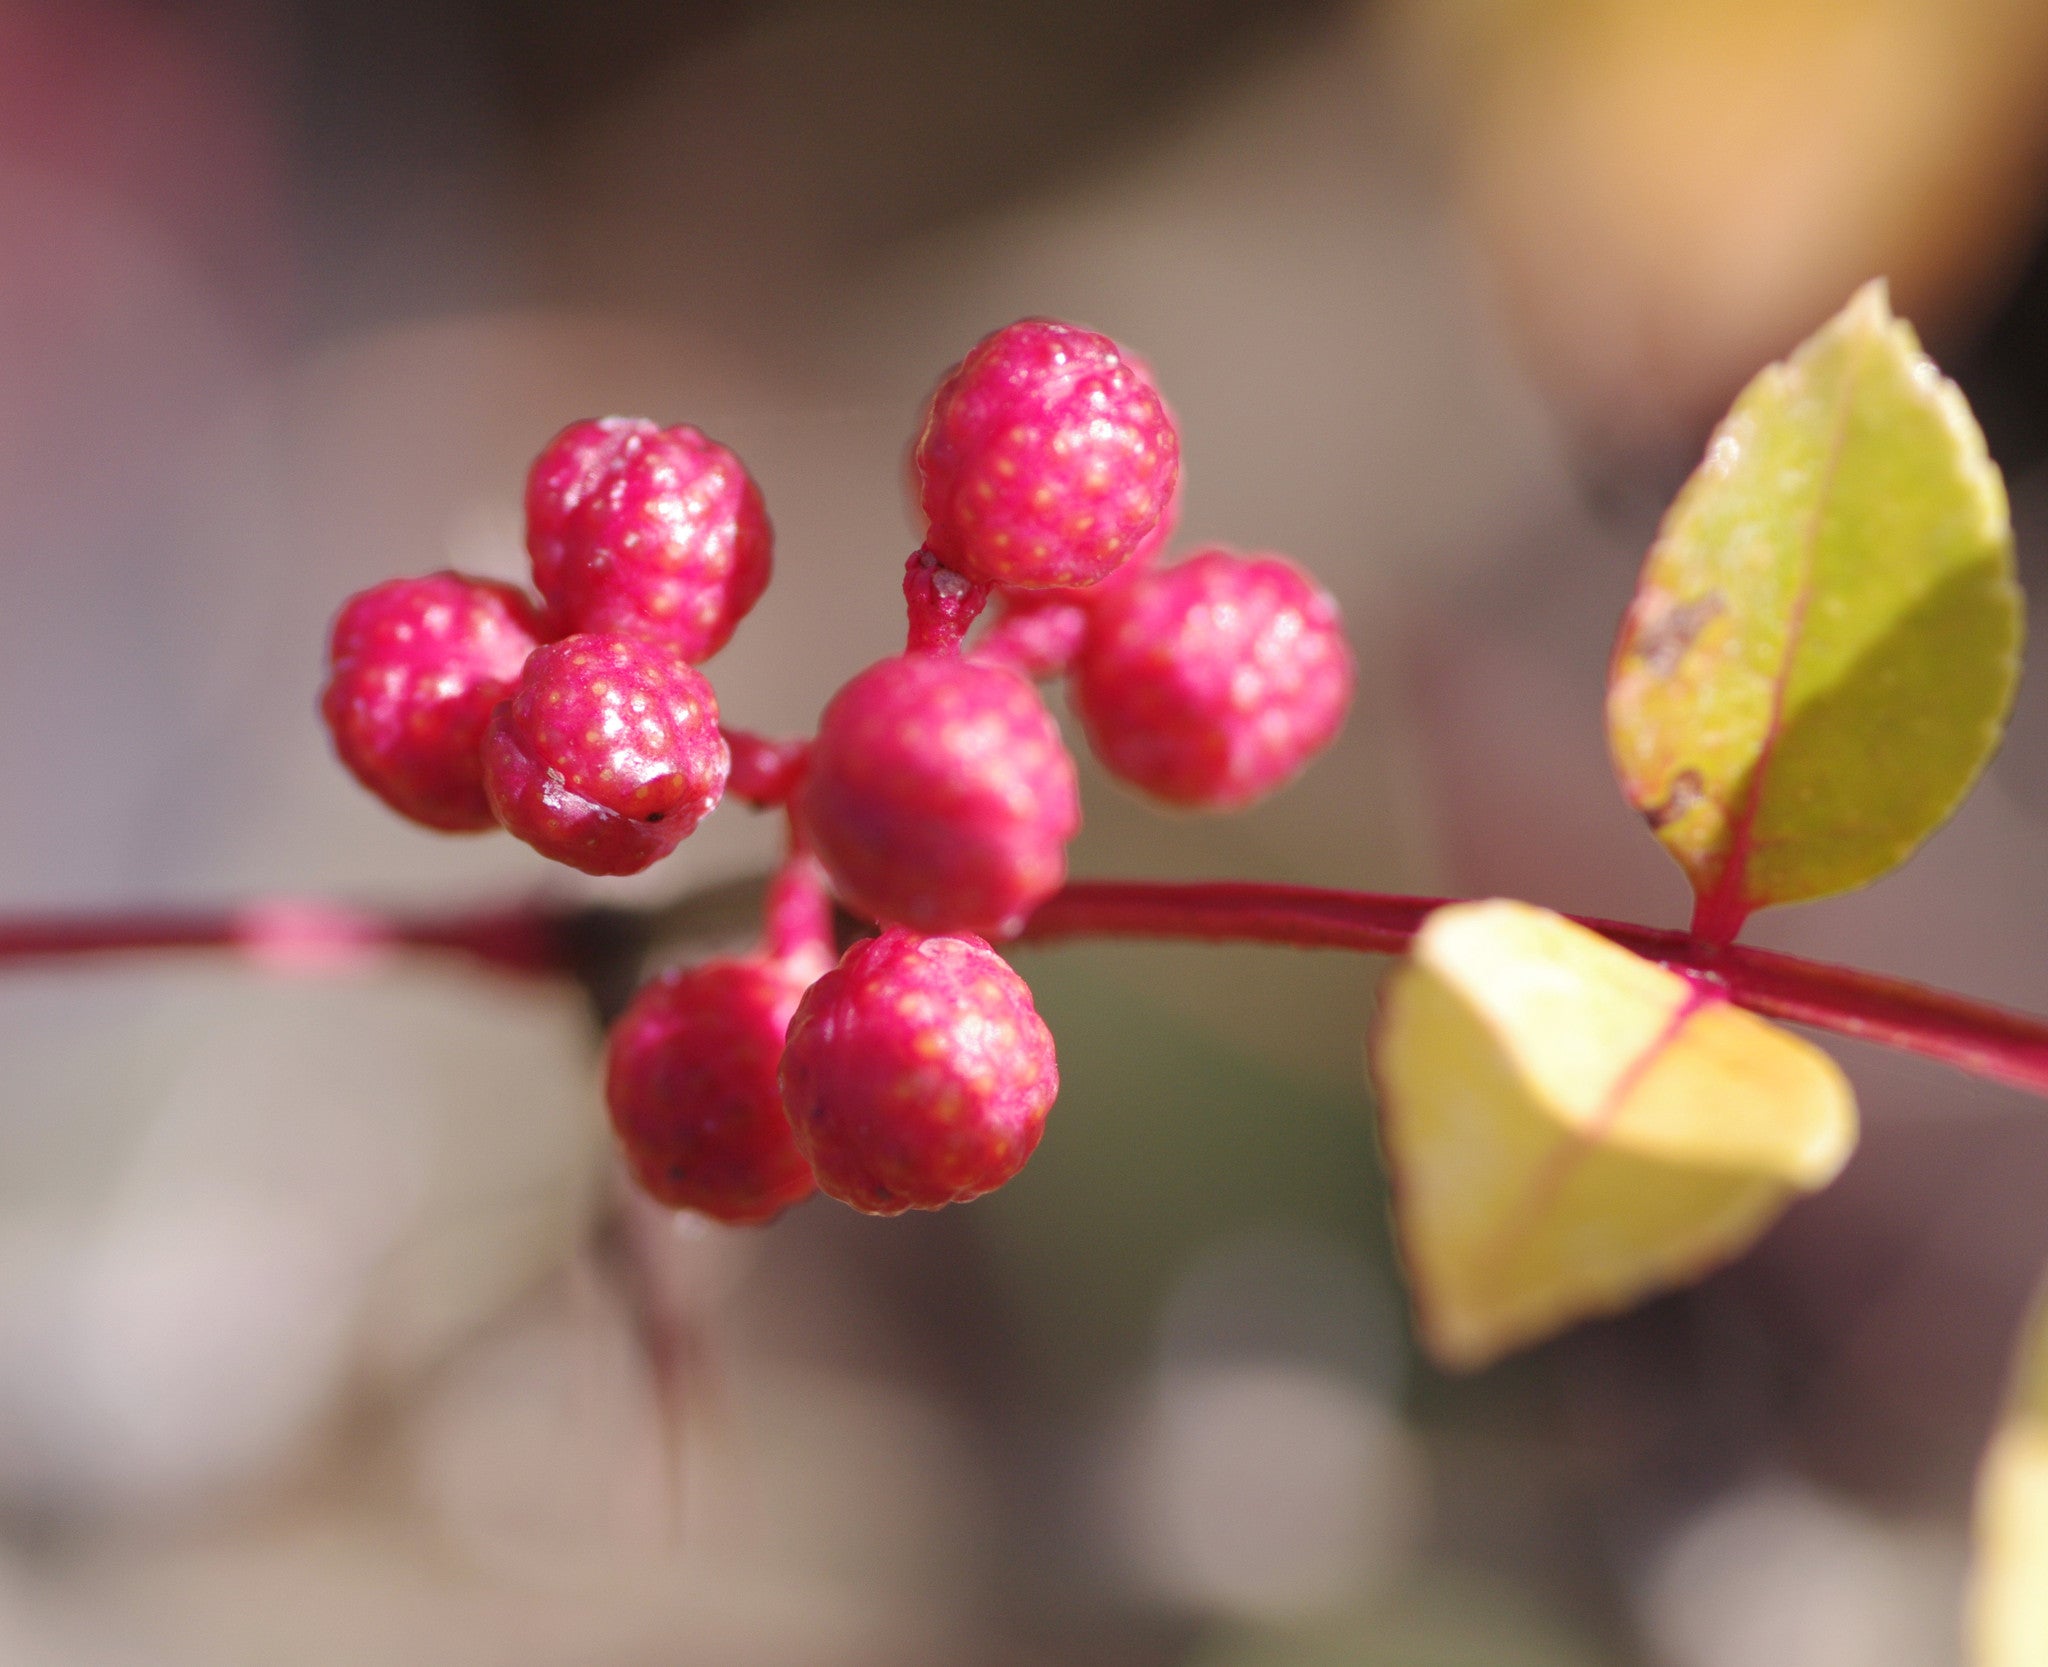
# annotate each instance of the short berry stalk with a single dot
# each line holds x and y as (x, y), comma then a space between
(1037, 636)
(796, 916)
(764, 772)
(942, 605)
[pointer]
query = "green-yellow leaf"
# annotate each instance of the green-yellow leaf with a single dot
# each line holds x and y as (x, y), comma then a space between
(1825, 640)
(2009, 1583)
(1569, 1127)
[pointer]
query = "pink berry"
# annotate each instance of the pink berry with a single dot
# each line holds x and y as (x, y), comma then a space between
(645, 530)
(691, 1081)
(607, 754)
(1046, 458)
(416, 666)
(939, 795)
(1038, 633)
(917, 1073)
(1142, 559)
(1210, 683)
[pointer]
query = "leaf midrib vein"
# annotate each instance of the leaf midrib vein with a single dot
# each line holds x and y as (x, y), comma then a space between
(1742, 835)
(1582, 1141)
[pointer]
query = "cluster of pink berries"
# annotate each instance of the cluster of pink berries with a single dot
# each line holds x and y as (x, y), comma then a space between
(937, 798)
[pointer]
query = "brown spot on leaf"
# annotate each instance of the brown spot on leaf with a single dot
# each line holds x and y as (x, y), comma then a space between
(1661, 641)
(1685, 792)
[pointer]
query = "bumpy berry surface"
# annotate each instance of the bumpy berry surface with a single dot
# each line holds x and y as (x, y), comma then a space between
(917, 1073)
(1212, 682)
(416, 665)
(1038, 633)
(641, 529)
(940, 795)
(691, 1081)
(1147, 555)
(1046, 458)
(607, 754)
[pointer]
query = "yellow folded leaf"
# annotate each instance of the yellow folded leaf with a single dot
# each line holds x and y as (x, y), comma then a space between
(1569, 1127)
(2009, 1582)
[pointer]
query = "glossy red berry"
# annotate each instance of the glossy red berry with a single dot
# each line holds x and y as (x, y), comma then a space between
(1142, 559)
(1038, 633)
(653, 531)
(917, 1073)
(691, 1082)
(1210, 683)
(1046, 458)
(939, 795)
(416, 665)
(607, 753)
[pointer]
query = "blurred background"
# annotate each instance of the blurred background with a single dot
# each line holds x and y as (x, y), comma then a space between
(325, 1337)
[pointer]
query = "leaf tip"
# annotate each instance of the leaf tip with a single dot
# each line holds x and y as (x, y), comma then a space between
(1871, 305)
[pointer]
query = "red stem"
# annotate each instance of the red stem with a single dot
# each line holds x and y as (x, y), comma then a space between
(1035, 637)
(1990, 1041)
(296, 936)
(1993, 1042)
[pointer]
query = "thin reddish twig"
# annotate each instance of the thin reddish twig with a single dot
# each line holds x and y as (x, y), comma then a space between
(295, 935)
(1976, 1036)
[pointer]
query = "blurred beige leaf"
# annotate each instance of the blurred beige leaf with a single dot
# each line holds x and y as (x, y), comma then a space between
(2009, 1586)
(1569, 1128)
(1672, 193)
